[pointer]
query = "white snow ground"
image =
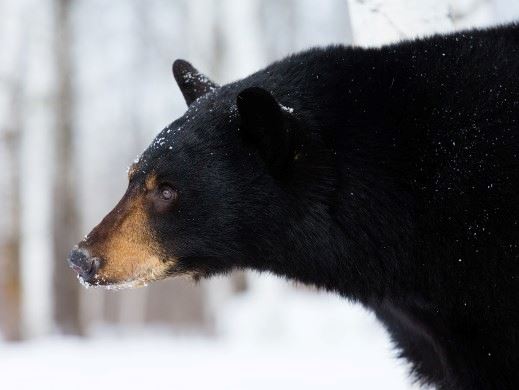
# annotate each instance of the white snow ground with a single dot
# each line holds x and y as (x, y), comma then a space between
(317, 341)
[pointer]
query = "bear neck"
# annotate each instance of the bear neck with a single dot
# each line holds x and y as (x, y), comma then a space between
(348, 227)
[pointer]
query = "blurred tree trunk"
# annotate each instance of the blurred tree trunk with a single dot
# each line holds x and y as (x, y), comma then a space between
(10, 312)
(65, 215)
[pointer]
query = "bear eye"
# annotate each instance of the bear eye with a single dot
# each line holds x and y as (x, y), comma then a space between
(167, 193)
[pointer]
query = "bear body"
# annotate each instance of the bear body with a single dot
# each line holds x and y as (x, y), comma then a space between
(388, 175)
(425, 139)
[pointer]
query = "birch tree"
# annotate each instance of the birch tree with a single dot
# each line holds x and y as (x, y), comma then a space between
(378, 22)
(11, 73)
(65, 219)
(10, 213)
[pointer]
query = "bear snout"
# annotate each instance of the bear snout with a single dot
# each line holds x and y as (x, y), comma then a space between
(85, 266)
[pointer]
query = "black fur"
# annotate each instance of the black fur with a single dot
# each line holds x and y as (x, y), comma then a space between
(390, 176)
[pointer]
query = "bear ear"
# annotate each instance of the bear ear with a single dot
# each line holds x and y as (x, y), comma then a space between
(265, 126)
(191, 82)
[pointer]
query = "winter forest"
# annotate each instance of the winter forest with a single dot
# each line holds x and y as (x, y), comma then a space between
(85, 85)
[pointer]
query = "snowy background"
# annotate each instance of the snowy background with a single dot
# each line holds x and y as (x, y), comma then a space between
(84, 87)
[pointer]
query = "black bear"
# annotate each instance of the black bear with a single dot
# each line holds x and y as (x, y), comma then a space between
(388, 175)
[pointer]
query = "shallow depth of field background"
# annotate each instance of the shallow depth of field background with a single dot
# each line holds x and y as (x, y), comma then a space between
(84, 87)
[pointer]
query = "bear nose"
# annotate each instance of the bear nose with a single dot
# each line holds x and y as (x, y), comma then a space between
(84, 265)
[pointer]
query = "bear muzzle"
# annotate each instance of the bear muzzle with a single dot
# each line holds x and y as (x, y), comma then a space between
(85, 266)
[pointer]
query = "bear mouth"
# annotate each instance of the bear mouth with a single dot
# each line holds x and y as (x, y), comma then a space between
(99, 282)
(141, 279)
